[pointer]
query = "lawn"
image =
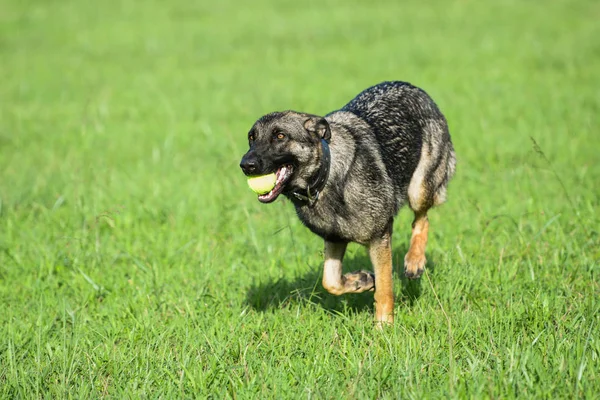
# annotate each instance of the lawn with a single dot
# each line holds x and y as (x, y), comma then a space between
(136, 263)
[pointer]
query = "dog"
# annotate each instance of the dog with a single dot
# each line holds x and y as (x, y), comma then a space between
(349, 173)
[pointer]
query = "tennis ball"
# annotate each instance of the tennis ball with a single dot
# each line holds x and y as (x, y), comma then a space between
(262, 184)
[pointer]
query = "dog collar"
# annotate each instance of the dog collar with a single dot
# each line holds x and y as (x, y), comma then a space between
(312, 192)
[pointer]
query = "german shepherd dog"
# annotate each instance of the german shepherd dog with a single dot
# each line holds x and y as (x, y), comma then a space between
(349, 172)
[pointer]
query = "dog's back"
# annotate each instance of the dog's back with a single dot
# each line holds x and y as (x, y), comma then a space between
(413, 138)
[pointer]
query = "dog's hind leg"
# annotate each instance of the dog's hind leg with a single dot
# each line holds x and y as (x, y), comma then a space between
(333, 280)
(380, 251)
(414, 261)
(427, 189)
(424, 194)
(421, 198)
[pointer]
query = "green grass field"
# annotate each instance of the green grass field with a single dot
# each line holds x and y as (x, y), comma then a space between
(135, 262)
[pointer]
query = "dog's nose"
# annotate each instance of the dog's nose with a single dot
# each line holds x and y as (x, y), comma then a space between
(249, 164)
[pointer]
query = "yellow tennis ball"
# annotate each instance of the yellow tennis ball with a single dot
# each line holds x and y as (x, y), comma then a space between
(262, 184)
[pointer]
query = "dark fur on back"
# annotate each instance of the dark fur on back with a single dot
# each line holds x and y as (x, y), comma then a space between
(395, 111)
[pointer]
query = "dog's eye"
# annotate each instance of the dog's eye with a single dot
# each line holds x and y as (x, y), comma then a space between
(251, 137)
(280, 136)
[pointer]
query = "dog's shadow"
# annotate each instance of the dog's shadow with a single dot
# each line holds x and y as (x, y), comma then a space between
(308, 289)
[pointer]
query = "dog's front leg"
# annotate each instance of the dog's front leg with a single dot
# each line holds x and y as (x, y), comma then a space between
(380, 251)
(333, 280)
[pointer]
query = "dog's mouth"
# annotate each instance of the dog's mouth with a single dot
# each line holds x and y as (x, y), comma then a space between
(284, 173)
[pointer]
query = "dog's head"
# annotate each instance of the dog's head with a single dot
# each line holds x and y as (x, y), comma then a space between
(287, 144)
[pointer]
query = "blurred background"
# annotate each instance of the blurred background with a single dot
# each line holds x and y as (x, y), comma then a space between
(105, 97)
(153, 100)
(122, 124)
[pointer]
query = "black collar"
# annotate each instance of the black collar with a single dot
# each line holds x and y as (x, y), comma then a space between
(312, 192)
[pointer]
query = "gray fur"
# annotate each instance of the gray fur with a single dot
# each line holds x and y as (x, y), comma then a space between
(390, 145)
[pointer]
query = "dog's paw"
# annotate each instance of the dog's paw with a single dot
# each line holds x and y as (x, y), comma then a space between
(414, 264)
(359, 281)
(383, 322)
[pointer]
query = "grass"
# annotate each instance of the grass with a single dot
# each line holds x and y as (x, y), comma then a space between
(134, 262)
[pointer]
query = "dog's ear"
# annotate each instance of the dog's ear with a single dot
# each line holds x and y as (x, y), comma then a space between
(318, 126)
